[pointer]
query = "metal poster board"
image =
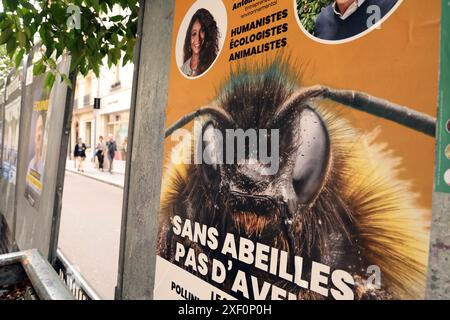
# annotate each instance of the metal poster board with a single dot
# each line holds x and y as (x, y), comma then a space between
(11, 110)
(2, 103)
(443, 150)
(43, 117)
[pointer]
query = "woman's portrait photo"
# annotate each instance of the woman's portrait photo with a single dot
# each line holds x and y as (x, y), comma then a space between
(200, 37)
(201, 44)
(447, 177)
(335, 20)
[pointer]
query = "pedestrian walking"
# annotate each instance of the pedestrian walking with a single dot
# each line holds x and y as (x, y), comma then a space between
(100, 153)
(111, 147)
(80, 154)
(124, 147)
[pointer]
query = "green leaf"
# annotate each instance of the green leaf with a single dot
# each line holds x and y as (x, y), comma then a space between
(96, 5)
(91, 43)
(38, 68)
(27, 32)
(96, 69)
(110, 59)
(58, 13)
(115, 39)
(76, 60)
(5, 36)
(117, 18)
(22, 38)
(90, 47)
(103, 7)
(11, 4)
(11, 46)
(52, 63)
(5, 24)
(43, 34)
(19, 57)
(66, 80)
(49, 80)
(28, 5)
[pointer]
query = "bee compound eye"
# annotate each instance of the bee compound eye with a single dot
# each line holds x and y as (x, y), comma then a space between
(212, 152)
(313, 157)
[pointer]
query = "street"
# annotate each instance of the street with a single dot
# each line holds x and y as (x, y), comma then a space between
(90, 230)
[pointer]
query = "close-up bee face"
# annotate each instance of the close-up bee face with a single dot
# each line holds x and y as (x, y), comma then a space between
(258, 204)
(335, 197)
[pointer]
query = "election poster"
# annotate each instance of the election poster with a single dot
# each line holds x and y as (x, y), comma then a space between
(11, 125)
(299, 151)
(2, 101)
(37, 142)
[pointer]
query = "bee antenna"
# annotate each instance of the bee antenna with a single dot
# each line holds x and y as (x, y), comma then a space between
(360, 101)
(220, 115)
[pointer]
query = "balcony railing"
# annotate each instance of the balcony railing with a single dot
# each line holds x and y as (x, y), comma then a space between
(116, 85)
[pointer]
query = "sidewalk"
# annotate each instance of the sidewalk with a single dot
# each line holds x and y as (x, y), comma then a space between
(116, 179)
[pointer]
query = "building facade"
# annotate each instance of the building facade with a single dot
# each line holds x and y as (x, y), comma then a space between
(113, 87)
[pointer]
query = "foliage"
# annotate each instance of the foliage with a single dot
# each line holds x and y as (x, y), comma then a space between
(6, 63)
(308, 10)
(103, 36)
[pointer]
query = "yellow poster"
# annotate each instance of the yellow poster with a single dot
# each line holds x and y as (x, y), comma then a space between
(299, 150)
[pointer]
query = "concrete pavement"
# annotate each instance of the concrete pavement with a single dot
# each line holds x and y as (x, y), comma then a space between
(90, 171)
(90, 229)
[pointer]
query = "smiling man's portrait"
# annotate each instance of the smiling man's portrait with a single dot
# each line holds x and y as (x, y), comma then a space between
(335, 20)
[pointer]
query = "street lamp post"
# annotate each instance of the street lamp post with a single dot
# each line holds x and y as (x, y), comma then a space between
(96, 109)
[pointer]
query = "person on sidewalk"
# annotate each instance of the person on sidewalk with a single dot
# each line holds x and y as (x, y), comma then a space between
(100, 153)
(80, 154)
(111, 147)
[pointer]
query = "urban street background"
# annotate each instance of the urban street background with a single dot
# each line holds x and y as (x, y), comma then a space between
(90, 224)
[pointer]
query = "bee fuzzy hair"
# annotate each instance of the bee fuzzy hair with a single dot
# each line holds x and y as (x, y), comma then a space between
(390, 227)
(382, 219)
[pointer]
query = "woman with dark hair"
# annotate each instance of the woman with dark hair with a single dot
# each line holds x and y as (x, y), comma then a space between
(201, 44)
(80, 154)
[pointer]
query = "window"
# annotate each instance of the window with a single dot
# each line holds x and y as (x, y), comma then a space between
(88, 134)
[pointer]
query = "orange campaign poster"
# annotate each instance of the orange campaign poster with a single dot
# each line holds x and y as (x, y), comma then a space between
(299, 151)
